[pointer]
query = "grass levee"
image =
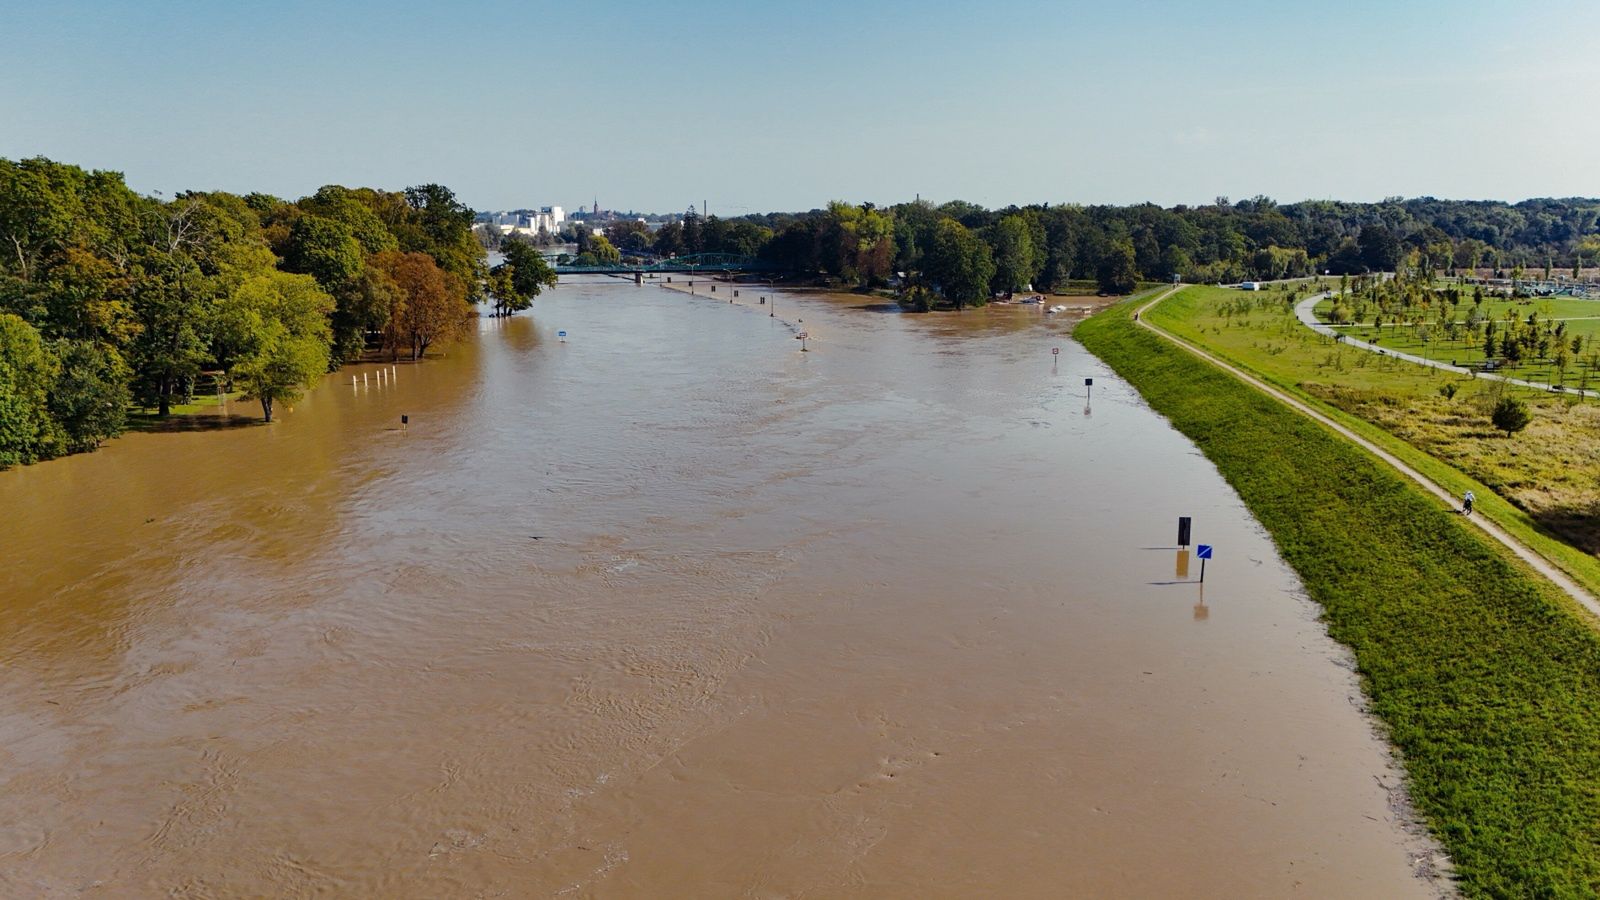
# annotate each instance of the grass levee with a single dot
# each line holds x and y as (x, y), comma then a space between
(1542, 486)
(1482, 674)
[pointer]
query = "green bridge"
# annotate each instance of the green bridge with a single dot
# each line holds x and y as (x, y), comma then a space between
(692, 264)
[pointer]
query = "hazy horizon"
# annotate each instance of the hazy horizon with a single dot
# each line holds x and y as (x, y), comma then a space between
(763, 110)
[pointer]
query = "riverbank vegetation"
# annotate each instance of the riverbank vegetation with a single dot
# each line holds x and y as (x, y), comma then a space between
(1542, 484)
(112, 302)
(1482, 674)
(1042, 246)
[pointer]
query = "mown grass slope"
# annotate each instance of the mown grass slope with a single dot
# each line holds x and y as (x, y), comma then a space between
(1546, 487)
(1485, 678)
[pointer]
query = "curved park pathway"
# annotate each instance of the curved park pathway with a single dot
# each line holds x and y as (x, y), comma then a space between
(1305, 310)
(1523, 552)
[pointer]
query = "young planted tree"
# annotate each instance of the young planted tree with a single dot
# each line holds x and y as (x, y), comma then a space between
(1510, 415)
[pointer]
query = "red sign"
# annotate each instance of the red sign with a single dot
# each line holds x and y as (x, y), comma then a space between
(1055, 351)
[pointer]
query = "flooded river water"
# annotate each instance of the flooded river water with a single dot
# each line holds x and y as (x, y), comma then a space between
(670, 608)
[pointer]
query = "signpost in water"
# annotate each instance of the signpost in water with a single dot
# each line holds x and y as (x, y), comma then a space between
(562, 335)
(1203, 553)
(801, 337)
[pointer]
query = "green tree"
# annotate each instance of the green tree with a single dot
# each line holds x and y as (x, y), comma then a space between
(1116, 273)
(523, 276)
(1015, 257)
(328, 250)
(603, 251)
(959, 264)
(669, 240)
(27, 370)
(89, 398)
(1510, 415)
(441, 226)
(325, 249)
(692, 231)
(280, 323)
(342, 205)
(171, 299)
(1511, 347)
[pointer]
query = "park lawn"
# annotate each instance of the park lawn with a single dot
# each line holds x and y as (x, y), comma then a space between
(1271, 339)
(1542, 486)
(1482, 674)
(206, 403)
(1581, 317)
(1495, 307)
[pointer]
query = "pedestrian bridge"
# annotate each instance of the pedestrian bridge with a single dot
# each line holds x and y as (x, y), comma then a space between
(692, 264)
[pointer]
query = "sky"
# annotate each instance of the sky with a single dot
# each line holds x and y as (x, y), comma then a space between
(755, 107)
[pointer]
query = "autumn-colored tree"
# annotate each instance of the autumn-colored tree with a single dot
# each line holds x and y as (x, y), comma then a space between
(435, 308)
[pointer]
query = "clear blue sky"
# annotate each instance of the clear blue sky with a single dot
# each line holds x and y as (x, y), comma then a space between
(757, 107)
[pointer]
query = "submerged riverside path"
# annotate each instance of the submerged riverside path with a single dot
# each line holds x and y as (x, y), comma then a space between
(1481, 669)
(1523, 552)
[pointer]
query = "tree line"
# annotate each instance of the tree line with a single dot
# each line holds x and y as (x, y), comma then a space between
(111, 301)
(958, 253)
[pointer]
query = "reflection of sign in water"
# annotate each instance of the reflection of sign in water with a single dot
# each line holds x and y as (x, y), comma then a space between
(1181, 569)
(1203, 551)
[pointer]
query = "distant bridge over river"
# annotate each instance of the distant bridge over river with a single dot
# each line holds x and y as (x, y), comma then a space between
(694, 264)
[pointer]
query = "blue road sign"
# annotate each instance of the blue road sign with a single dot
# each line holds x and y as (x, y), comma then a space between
(561, 334)
(1203, 551)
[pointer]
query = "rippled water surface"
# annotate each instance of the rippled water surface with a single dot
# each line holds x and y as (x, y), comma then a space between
(673, 609)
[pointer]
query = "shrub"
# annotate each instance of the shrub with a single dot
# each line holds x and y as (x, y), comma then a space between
(1510, 415)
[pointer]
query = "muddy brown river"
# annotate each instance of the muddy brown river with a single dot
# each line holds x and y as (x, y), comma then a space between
(671, 608)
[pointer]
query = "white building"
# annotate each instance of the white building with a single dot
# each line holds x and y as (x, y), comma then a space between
(529, 221)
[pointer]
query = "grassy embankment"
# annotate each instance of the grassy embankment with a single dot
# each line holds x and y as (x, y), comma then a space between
(1542, 486)
(1482, 674)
